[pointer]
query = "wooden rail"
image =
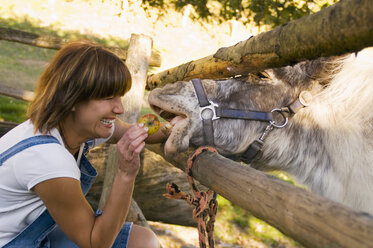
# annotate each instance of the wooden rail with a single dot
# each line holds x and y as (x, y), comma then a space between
(312, 220)
(46, 41)
(16, 93)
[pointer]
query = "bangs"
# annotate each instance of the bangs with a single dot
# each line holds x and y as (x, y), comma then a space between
(105, 76)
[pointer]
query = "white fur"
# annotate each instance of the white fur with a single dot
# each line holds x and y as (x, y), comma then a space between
(343, 171)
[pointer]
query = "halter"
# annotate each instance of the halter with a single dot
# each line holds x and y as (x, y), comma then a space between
(210, 111)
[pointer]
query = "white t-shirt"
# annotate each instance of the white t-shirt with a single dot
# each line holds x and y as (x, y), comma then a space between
(19, 205)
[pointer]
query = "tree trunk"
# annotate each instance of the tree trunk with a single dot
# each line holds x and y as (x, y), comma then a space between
(137, 62)
(346, 26)
(307, 218)
(151, 182)
(46, 41)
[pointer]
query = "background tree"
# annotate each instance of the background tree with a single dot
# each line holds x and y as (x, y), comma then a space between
(262, 12)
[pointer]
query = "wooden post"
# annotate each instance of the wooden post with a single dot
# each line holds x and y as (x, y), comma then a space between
(346, 26)
(137, 62)
(310, 219)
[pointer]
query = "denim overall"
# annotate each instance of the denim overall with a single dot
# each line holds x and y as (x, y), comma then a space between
(43, 232)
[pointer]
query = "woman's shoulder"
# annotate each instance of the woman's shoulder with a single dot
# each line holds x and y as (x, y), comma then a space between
(43, 162)
(15, 135)
(38, 162)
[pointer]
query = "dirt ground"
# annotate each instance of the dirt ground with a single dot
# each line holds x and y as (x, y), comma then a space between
(174, 236)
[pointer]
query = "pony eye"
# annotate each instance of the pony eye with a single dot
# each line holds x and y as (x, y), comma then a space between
(263, 75)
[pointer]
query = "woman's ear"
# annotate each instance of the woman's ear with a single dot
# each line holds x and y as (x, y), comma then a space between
(73, 109)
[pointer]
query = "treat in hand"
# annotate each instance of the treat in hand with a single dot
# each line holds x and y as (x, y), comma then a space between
(151, 122)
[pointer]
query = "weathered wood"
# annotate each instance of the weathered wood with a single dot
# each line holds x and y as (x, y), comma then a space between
(43, 41)
(154, 174)
(16, 93)
(309, 219)
(346, 26)
(137, 62)
(46, 41)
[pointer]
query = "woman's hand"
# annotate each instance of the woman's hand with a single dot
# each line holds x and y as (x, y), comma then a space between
(129, 147)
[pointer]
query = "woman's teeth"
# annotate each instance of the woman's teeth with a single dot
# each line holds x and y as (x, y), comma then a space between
(107, 122)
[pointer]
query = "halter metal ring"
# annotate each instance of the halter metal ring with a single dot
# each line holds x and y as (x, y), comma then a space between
(211, 108)
(273, 123)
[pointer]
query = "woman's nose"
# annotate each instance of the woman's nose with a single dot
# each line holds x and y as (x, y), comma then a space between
(118, 106)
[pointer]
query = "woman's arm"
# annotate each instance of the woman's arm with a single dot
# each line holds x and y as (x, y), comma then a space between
(68, 207)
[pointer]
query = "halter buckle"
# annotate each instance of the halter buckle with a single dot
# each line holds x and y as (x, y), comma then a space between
(211, 112)
(285, 119)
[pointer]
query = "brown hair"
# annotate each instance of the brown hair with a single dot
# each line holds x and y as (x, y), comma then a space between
(80, 71)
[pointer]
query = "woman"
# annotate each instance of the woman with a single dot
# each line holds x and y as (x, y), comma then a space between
(76, 103)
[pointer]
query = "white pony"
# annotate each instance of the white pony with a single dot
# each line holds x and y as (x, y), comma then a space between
(327, 146)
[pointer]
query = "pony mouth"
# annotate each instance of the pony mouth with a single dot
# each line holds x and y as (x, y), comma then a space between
(178, 138)
(172, 117)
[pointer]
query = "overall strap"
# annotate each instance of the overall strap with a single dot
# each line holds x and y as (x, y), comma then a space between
(26, 143)
(44, 223)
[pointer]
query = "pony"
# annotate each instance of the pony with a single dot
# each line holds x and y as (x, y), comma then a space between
(327, 145)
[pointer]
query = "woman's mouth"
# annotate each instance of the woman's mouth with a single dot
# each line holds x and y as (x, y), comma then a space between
(107, 122)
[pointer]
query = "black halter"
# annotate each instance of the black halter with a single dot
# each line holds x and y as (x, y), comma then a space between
(210, 111)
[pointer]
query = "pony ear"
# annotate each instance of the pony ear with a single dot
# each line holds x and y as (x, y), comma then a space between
(303, 74)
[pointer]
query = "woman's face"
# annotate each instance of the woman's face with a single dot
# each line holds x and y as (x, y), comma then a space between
(95, 118)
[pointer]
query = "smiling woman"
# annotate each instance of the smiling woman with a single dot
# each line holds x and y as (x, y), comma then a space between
(44, 173)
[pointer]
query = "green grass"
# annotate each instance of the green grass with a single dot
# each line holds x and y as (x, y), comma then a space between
(236, 225)
(12, 110)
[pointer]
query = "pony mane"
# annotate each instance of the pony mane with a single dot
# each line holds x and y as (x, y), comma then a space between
(350, 89)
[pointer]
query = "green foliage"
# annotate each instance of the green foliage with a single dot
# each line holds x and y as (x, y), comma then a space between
(199, 5)
(274, 13)
(231, 9)
(262, 12)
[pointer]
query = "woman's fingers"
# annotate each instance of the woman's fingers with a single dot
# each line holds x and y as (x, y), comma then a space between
(132, 142)
(139, 148)
(137, 142)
